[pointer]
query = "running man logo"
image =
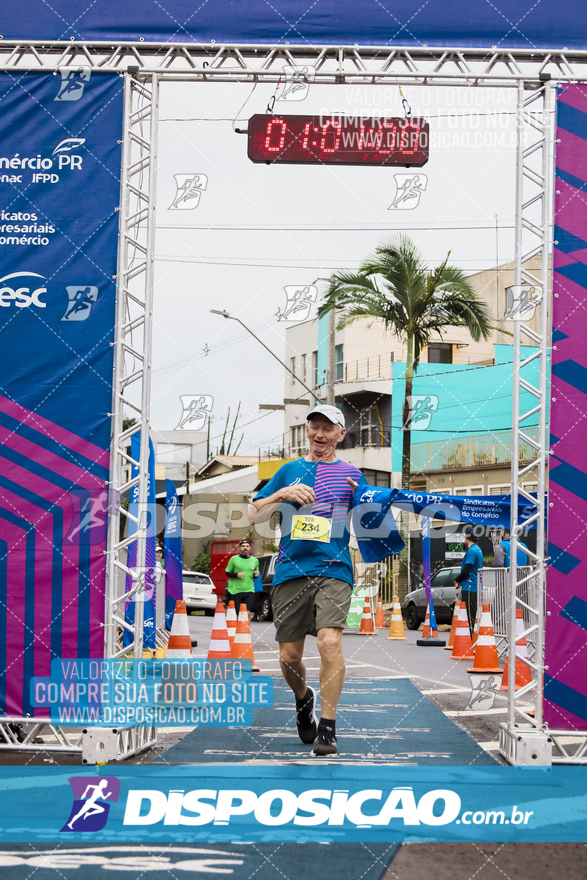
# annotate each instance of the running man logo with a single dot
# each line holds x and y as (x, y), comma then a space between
(421, 409)
(189, 188)
(295, 83)
(195, 410)
(73, 83)
(483, 691)
(298, 302)
(90, 802)
(520, 302)
(81, 298)
(409, 188)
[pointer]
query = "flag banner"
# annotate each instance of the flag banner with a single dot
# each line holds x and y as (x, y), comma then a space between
(172, 553)
(57, 305)
(294, 803)
(426, 559)
(149, 517)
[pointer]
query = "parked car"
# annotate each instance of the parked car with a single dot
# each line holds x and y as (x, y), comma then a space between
(444, 594)
(266, 571)
(198, 592)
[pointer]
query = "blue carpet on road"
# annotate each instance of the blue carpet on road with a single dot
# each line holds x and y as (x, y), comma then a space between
(262, 861)
(378, 722)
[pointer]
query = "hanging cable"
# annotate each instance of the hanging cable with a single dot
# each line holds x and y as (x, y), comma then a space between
(405, 104)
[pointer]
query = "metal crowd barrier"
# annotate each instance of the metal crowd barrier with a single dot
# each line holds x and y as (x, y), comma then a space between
(493, 590)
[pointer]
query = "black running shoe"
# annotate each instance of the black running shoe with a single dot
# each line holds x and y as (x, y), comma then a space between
(306, 720)
(325, 744)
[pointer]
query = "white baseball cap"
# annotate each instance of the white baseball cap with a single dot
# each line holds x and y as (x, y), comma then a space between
(332, 413)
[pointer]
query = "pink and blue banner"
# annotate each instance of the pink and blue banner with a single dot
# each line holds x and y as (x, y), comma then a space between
(565, 683)
(57, 297)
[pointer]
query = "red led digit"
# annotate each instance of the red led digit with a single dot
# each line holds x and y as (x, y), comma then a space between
(279, 147)
(307, 127)
(337, 127)
(390, 138)
(405, 139)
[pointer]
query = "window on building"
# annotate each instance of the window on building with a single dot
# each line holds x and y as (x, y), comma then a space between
(315, 369)
(292, 367)
(381, 479)
(440, 353)
(298, 440)
(304, 369)
(499, 490)
(369, 427)
(338, 364)
(468, 490)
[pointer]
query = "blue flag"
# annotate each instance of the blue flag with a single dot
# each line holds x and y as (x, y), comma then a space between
(173, 553)
(149, 573)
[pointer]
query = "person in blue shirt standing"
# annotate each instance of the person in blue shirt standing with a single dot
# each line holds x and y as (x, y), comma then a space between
(467, 579)
(502, 552)
(313, 578)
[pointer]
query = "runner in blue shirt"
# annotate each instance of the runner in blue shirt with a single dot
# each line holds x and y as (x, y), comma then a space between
(467, 579)
(314, 574)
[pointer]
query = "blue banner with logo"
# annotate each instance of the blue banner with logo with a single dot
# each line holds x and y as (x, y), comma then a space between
(546, 24)
(295, 803)
(60, 154)
(172, 553)
(149, 574)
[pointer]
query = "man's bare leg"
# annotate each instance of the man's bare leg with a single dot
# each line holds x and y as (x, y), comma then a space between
(293, 667)
(332, 669)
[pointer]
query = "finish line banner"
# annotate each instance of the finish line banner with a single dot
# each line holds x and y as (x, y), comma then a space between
(318, 803)
(60, 151)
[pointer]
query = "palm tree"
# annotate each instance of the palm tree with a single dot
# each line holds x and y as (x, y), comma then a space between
(416, 304)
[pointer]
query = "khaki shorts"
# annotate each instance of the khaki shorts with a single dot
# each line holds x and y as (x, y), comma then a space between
(302, 606)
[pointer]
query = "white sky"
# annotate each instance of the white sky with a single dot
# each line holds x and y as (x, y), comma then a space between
(237, 249)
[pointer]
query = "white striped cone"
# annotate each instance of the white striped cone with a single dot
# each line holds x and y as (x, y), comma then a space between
(219, 641)
(486, 657)
(231, 621)
(180, 641)
(396, 627)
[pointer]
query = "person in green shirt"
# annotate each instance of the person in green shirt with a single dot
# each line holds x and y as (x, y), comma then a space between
(241, 570)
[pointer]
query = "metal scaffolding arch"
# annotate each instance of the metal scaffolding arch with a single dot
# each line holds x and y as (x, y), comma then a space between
(144, 67)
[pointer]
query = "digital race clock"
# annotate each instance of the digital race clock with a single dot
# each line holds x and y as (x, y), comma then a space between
(338, 140)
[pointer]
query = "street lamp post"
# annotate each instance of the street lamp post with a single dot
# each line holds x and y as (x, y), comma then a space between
(225, 314)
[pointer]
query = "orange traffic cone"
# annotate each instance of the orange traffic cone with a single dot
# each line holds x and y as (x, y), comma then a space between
(242, 647)
(231, 621)
(523, 671)
(486, 658)
(366, 628)
(396, 627)
(453, 628)
(379, 616)
(462, 648)
(179, 645)
(219, 642)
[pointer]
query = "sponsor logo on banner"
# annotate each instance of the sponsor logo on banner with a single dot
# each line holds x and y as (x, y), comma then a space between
(67, 145)
(20, 290)
(73, 83)
(81, 298)
(409, 189)
(298, 302)
(136, 860)
(196, 409)
(90, 802)
(189, 189)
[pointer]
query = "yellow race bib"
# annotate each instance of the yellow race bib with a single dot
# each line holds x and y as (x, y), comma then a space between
(310, 528)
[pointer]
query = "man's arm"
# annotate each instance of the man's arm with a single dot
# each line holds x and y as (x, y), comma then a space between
(465, 572)
(262, 509)
(500, 556)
